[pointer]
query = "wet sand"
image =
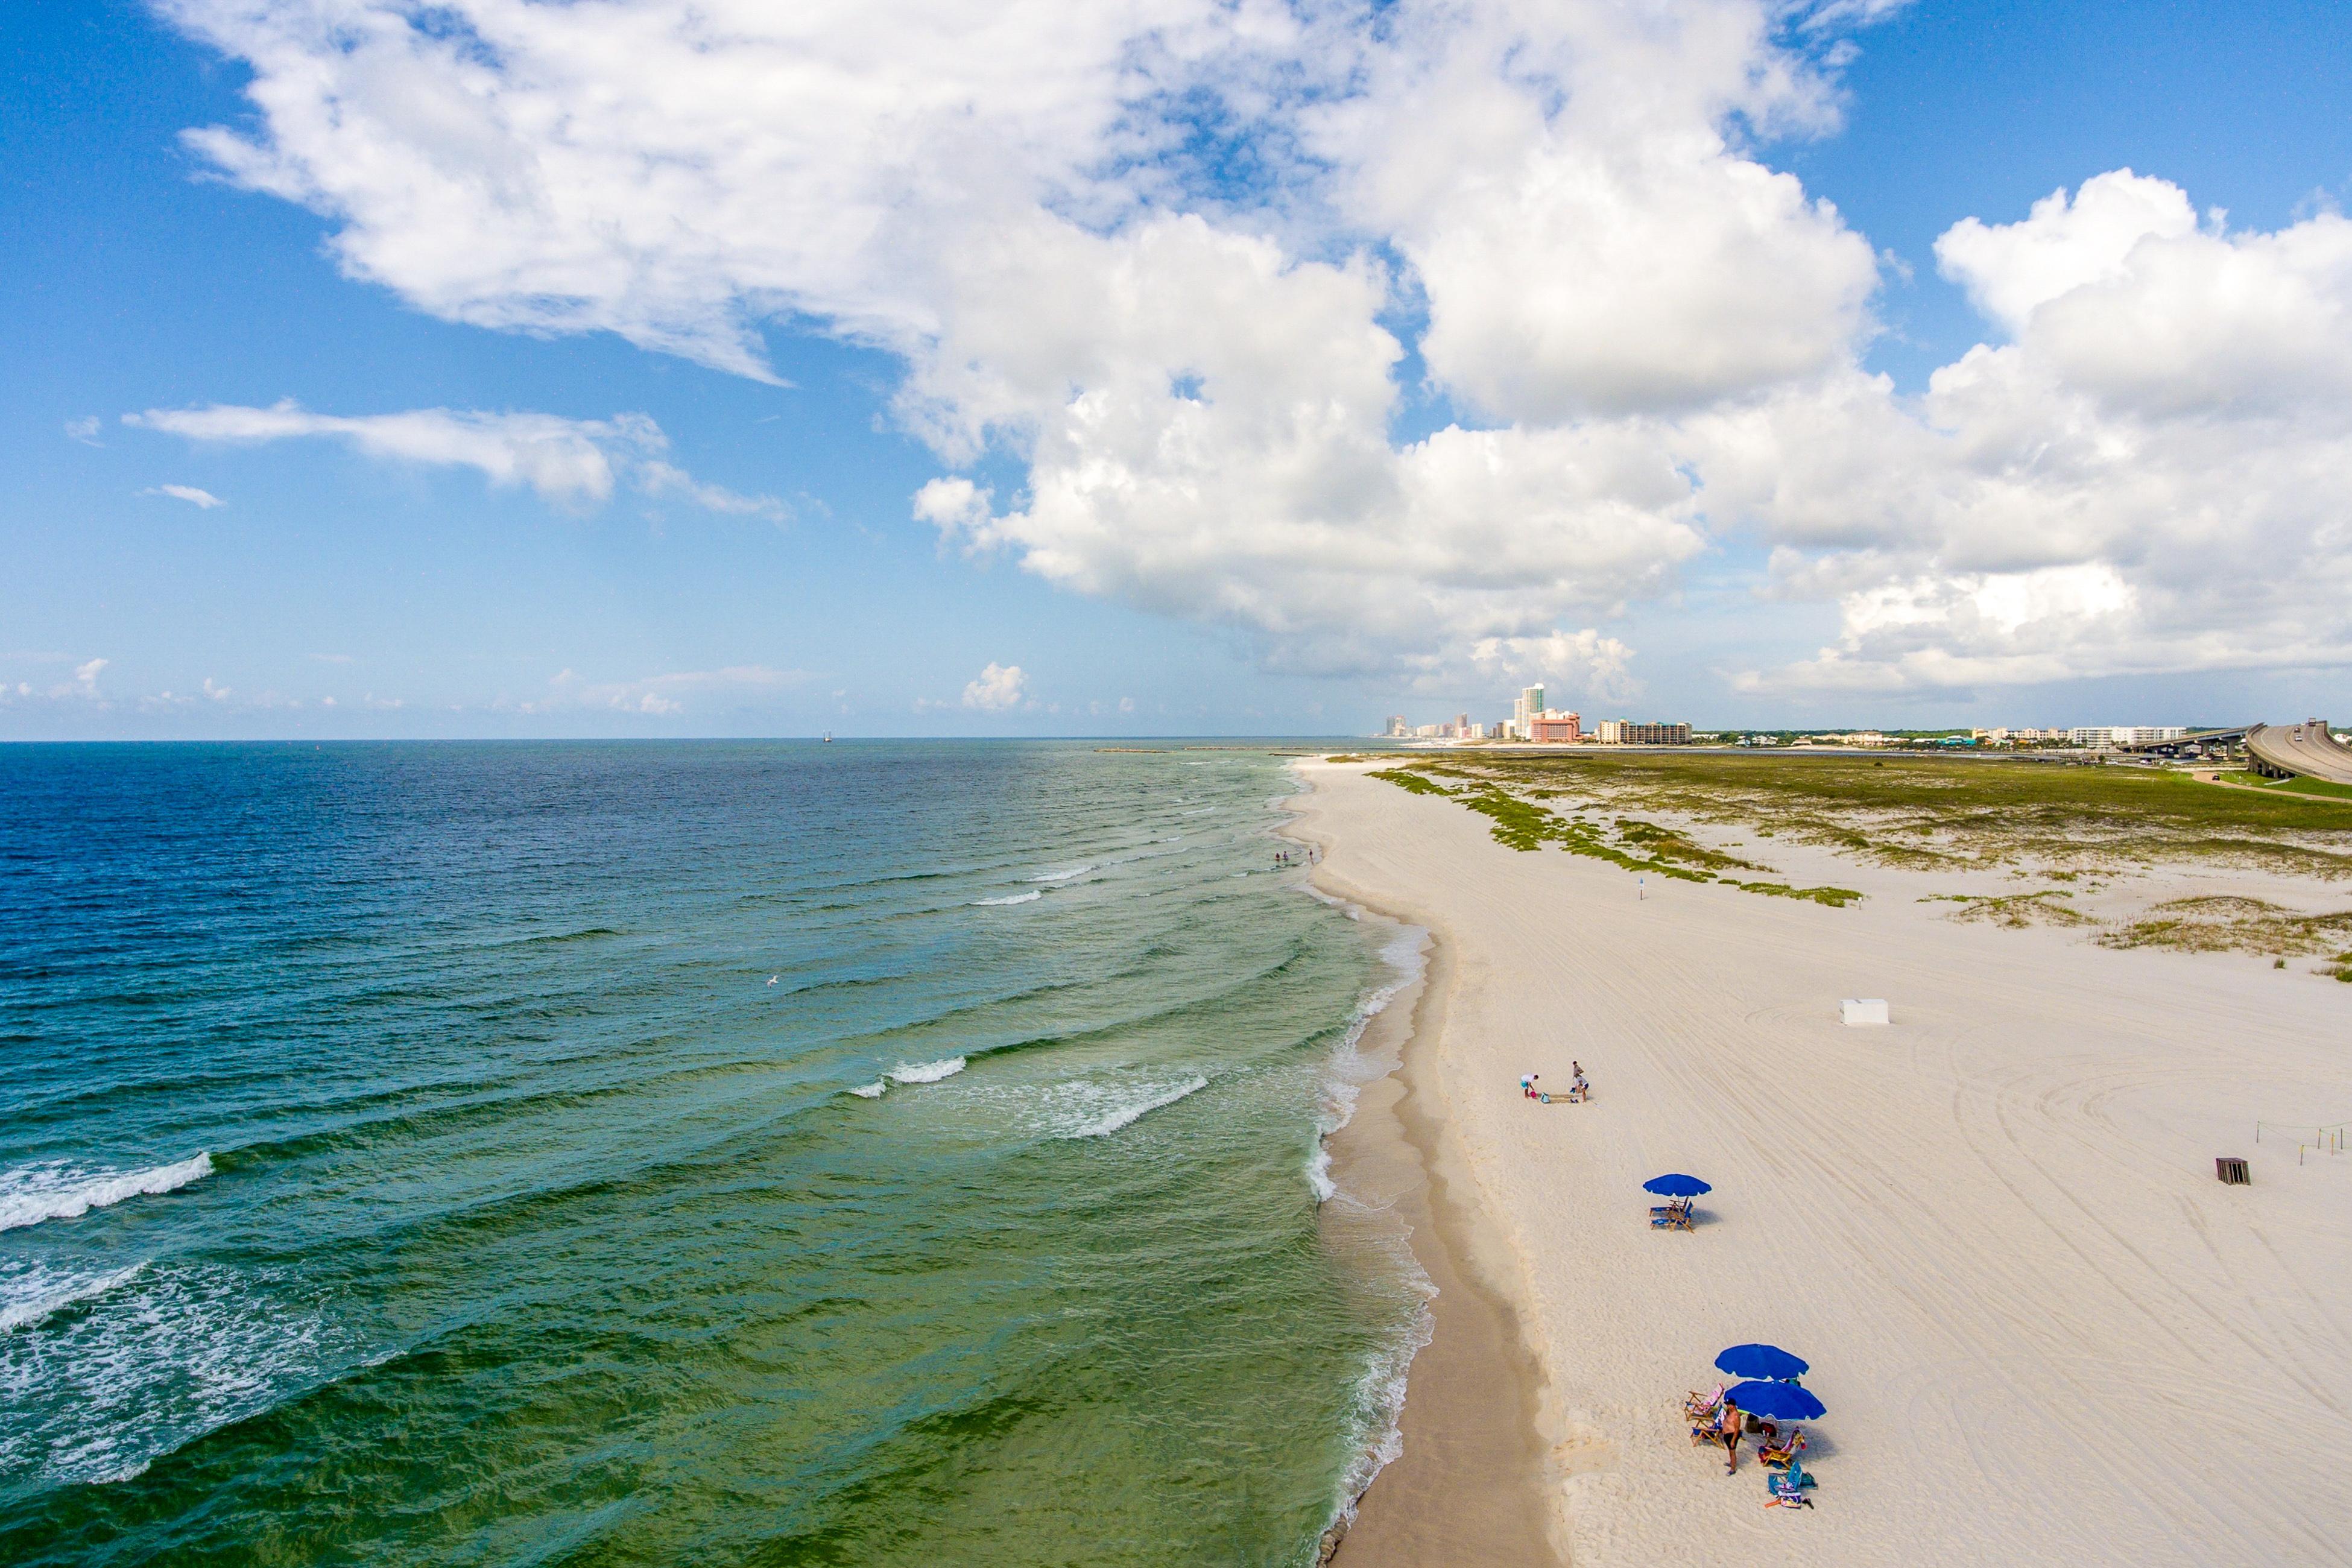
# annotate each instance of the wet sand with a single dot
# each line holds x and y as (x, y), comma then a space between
(1469, 1485)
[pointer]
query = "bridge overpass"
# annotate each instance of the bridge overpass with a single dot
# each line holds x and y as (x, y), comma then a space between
(2284, 750)
(2195, 743)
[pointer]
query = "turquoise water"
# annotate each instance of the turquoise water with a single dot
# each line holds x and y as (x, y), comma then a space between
(682, 1153)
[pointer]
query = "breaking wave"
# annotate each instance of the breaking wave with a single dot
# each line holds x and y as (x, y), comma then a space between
(1032, 895)
(41, 1192)
(925, 1073)
(26, 1302)
(1103, 1126)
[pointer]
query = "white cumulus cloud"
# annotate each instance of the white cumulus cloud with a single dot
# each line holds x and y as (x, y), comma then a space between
(1172, 258)
(997, 687)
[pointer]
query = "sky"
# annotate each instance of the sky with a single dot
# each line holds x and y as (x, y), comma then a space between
(648, 368)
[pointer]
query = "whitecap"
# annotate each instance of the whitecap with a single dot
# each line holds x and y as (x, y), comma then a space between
(871, 1091)
(1072, 874)
(925, 1073)
(27, 1299)
(38, 1192)
(95, 1394)
(1032, 894)
(1111, 1122)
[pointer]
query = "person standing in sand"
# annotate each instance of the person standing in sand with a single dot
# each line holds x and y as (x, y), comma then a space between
(1727, 1427)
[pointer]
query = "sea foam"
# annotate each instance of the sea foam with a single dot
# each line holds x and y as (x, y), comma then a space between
(1405, 956)
(1032, 895)
(871, 1091)
(25, 1301)
(1072, 874)
(925, 1073)
(1103, 1125)
(38, 1192)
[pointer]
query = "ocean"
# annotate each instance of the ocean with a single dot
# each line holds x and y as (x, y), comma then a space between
(697, 1152)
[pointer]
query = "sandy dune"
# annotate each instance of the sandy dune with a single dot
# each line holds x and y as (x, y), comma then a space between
(2044, 1330)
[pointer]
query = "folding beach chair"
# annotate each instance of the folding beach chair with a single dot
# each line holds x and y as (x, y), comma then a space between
(1787, 1489)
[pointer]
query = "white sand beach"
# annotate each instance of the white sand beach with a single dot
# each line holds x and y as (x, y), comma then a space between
(2043, 1329)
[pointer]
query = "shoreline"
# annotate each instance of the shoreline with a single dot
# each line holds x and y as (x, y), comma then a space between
(1993, 1226)
(1469, 1482)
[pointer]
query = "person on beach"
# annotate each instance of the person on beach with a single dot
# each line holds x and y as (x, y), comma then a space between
(1727, 1425)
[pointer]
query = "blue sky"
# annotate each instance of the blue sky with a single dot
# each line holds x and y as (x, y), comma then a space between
(333, 592)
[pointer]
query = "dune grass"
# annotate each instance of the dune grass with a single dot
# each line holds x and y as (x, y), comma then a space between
(2231, 923)
(2014, 910)
(1926, 812)
(1523, 825)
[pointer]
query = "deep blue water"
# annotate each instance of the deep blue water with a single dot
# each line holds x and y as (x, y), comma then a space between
(511, 1154)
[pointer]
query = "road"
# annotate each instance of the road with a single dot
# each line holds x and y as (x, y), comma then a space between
(2306, 749)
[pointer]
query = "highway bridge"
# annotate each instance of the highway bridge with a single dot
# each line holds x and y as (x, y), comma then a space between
(2284, 750)
(2195, 743)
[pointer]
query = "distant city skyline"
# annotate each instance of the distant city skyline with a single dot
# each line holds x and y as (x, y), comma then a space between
(1169, 369)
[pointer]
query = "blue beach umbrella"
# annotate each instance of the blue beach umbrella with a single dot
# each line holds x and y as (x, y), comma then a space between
(1776, 1401)
(1675, 1186)
(1760, 1361)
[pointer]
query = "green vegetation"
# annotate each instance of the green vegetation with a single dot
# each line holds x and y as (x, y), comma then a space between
(1926, 812)
(1665, 844)
(1646, 811)
(1414, 782)
(1524, 826)
(1836, 897)
(2297, 785)
(2229, 923)
(2014, 910)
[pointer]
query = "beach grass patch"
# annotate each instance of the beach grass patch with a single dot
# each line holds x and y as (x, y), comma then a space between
(1947, 813)
(2015, 912)
(2228, 922)
(1836, 897)
(1414, 782)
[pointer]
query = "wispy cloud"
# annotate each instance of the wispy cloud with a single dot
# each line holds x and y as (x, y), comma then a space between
(658, 478)
(567, 461)
(83, 430)
(189, 493)
(661, 696)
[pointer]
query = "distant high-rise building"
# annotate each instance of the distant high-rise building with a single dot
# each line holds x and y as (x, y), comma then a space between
(1530, 702)
(1397, 727)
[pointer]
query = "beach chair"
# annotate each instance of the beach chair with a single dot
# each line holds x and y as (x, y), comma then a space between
(1783, 1454)
(1787, 1489)
(1700, 1406)
(1675, 1215)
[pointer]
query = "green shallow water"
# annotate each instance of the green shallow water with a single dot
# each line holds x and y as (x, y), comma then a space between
(543, 1222)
